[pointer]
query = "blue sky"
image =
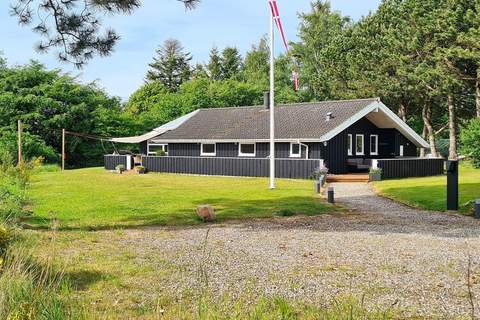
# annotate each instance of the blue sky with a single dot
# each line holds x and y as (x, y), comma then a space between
(215, 22)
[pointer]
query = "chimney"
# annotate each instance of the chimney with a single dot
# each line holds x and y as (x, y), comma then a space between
(266, 99)
(328, 117)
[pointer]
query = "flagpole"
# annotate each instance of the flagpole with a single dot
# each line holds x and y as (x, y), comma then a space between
(272, 105)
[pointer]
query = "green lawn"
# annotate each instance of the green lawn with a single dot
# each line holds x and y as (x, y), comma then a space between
(430, 193)
(96, 199)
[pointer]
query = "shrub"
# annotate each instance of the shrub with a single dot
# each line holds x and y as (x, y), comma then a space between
(470, 137)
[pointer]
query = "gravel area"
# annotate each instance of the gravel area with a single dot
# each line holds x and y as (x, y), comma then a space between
(390, 254)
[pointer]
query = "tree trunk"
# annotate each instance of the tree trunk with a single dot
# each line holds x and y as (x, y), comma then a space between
(477, 93)
(430, 133)
(424, 136)
(402, 112)
(452, 125)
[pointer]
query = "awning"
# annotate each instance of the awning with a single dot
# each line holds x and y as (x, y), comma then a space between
(156, 132)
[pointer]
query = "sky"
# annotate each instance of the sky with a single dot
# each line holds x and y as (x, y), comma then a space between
(218, 23)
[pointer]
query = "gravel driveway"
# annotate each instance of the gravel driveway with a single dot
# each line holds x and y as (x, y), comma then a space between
(384, 251)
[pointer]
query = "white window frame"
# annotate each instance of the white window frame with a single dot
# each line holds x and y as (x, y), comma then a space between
(208, 154)
(401, 151)
(350, 147)
(360, 153)
(163, 145)
(374, 153)
(295, 155)
(240, 154)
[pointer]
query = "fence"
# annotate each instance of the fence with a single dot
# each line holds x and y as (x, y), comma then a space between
(415, 167)
(112, 161)
(240, 167)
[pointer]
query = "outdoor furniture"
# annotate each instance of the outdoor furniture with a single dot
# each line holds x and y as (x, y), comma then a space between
(359, 164)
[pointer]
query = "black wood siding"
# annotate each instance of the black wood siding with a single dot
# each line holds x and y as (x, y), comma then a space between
(244, 167)
(335, 154)
(406, 168)
(112, 161)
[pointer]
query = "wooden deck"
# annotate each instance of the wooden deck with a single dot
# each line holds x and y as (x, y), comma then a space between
(353, 177)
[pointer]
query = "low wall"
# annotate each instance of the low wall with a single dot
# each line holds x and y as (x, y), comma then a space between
(240, 167)
(111, 161)
(409, 168)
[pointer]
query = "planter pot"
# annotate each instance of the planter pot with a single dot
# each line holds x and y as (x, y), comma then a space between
(375, 176)
(141, 171)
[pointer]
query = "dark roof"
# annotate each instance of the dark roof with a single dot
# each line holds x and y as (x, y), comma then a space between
(294, 121)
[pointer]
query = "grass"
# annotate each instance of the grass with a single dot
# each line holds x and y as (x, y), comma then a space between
(430, 193)
(96, 199)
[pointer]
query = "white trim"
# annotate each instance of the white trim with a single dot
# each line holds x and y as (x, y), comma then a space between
(240, 154)
(350, 140)
(129, 162)
(231, 140)
(208, 154)
(376, 145)
(356, 145)
(292, 155)
(401, 151)
(163, 145)
(378, 106)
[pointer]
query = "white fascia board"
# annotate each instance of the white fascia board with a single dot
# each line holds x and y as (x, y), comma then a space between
(405, 128)
(160, 140)
(401, 126)
(350, 121)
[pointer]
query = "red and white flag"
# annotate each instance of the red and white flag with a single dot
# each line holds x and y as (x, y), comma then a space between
(278, 22)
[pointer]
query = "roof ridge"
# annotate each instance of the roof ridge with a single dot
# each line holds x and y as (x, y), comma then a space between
(290, 104)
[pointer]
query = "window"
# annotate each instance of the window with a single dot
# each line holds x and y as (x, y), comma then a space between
(350, 145)
(359, 150)
(295, 150)
(374, 145)
(401, 150)
(157, 149)
(246, 150)
(208, 149)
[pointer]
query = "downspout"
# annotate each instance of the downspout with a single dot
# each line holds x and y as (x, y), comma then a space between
(306, 146)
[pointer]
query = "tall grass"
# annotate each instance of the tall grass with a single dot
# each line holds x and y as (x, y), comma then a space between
(29, 288)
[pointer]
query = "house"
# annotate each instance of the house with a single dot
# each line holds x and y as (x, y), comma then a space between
(344, 136)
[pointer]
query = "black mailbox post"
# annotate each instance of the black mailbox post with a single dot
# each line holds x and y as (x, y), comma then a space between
(452, 185)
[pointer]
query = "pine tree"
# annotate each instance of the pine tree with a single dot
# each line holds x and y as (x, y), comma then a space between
(171, 66)
(214, 66)
(231, 63)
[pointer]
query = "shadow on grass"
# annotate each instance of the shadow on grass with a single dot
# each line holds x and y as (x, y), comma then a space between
(82, 279)
(226, 209)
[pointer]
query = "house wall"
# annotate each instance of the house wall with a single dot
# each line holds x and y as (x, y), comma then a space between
(389, 141)
(230, 150)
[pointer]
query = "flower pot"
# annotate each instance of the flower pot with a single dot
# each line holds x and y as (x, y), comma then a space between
(375, 176)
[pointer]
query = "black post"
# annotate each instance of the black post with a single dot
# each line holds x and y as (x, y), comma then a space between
(452, 185)
(331, 195)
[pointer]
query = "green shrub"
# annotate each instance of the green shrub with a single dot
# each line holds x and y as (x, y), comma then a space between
(470, 137)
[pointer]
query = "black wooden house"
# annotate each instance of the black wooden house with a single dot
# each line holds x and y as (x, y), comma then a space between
(344, 136)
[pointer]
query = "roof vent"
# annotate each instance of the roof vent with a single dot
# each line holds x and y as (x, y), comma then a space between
(266, 99)
(329, 117)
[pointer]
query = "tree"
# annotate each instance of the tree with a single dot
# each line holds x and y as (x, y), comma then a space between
(318, 29)
(171, 66)
(214, 66)
(470, 136)
(231, 63)
(46, 101)
(74, 26)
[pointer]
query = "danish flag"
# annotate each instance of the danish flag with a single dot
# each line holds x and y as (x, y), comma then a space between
(278, 22)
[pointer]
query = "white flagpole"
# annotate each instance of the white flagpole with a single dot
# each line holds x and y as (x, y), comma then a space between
(272, 105)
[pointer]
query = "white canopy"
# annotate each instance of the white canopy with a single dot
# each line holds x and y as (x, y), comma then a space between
(155, 132)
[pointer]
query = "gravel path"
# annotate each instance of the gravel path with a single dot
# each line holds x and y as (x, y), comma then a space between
(389, 253)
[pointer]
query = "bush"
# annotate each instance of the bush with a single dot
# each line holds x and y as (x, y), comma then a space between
(470, 137)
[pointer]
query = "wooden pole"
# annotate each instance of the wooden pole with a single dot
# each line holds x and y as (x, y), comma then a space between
(63, 149)
(20, 156)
